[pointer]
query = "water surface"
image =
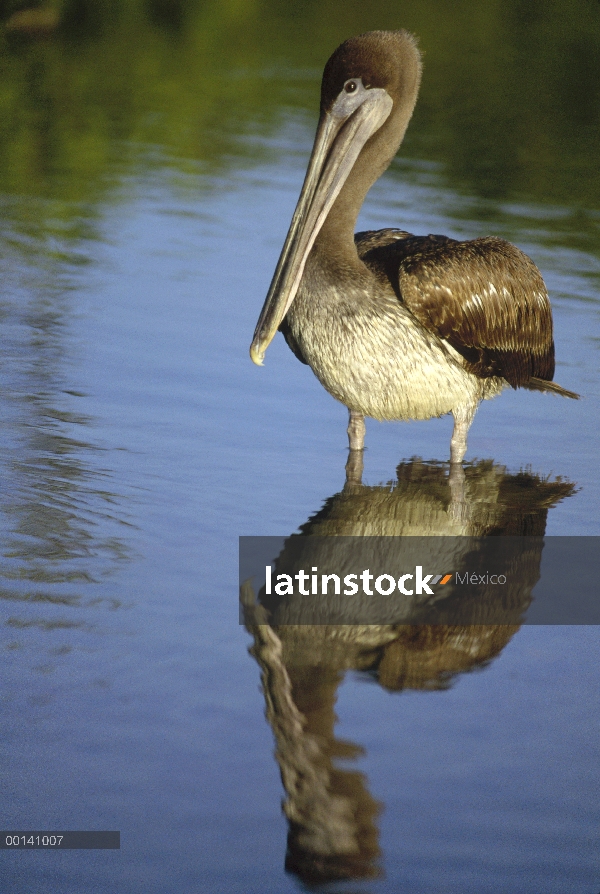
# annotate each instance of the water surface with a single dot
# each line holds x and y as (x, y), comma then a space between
(146, 188)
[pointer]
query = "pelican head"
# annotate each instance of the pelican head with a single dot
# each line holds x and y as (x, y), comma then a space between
(369, 89)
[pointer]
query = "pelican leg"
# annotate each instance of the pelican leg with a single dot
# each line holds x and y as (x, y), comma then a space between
(354, 467)
(463, 417)
(356, 431)
(459, 509)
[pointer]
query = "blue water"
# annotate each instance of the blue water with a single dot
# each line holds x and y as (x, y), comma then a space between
(138, 443)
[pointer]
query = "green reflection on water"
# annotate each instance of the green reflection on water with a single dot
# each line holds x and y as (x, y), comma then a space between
(510, 103)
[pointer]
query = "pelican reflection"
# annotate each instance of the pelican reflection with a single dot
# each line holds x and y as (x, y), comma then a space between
(331, 815)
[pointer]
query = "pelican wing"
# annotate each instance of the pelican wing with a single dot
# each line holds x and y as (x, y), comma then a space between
(485, 298)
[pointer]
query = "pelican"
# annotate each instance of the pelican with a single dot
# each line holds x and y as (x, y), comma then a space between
(397, 326)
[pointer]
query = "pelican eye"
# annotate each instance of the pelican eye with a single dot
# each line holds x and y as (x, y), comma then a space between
(350, 86)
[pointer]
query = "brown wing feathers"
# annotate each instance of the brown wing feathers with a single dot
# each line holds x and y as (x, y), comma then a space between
(485, 297)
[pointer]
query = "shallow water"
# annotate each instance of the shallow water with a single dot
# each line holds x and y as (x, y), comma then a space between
(138, 442)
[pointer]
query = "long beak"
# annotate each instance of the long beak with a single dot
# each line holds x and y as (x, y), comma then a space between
(339, 140)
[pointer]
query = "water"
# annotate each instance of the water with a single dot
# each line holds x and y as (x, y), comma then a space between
(138, 442)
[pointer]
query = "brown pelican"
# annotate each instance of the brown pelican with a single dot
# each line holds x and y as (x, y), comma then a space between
(397, 326)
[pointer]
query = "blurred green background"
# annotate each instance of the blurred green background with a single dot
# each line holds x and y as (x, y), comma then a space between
(91, 90)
